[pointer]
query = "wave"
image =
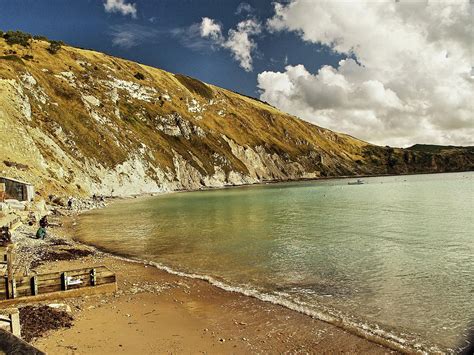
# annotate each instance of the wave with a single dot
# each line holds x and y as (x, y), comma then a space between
(371, 332)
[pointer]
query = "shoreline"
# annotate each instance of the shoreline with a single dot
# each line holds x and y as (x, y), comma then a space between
(111, 199)
(372, 339)
(214, 319)
(373, 334)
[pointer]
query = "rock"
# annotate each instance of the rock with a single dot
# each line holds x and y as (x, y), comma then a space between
(60, 307)
(222, 340)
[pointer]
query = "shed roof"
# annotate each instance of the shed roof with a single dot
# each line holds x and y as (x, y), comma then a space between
(15, 180)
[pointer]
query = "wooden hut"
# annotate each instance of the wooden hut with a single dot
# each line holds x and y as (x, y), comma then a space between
(16, 189)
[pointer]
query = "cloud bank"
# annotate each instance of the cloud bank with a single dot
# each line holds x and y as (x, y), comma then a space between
(407, 77)
(120, 6)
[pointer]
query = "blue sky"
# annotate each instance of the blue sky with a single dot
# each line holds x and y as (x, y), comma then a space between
(85, 23)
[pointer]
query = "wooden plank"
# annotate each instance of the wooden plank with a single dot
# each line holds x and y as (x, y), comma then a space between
(21, 281)
(105, 288)
(58, 284)
(106, 280)
(49, 282)
(53, 275)
(49, 289)
(23, 287)
(58, 281)
(22, 293)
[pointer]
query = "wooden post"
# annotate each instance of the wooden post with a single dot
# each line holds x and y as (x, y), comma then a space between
(15, 323)
(7, 287)
(13, 283)
(10, 260)
(93, 277)
(11, 279)
(34, 285)
(64, 281)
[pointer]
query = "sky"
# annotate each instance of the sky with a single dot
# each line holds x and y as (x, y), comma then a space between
(391, 72)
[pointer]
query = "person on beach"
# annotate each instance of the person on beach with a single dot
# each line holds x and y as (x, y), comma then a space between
(44, 222)
(41, 233)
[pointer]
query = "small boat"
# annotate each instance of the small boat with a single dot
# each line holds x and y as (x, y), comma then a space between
(358, 182)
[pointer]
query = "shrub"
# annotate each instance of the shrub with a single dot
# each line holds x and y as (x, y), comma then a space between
(40, 38)
(13, 58)
(17, 37)
(139, 76)
(54, 46)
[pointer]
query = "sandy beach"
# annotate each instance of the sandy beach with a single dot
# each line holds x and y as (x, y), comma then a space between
(157, 312)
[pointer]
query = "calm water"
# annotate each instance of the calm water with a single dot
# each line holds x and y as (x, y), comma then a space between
(396, 253)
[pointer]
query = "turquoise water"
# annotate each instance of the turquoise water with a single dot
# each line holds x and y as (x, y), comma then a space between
(396, 253)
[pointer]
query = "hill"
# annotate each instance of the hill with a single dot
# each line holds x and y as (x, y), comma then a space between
(78, 122)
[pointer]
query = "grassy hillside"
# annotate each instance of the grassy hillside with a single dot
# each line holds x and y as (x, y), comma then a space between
(77, 121)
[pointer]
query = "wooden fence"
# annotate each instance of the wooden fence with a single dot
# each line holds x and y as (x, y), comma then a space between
(57, 284)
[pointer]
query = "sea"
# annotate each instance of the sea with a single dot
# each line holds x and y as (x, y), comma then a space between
(391, 258)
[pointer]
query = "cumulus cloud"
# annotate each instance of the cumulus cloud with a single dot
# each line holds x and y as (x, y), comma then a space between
(239, 40)
(406, 79)
(120, 6)
(209, 28)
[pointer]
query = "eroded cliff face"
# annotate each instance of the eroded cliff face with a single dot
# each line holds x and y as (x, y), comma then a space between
(81, 122)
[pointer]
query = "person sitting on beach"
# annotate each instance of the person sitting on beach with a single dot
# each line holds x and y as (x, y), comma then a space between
(41, 233)
(44, 222)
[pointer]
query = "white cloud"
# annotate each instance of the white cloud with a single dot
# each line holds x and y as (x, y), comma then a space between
(130, 35)
(209, 28)
(410, 81)
(120, 6)
(238, 40)
(244, 8)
